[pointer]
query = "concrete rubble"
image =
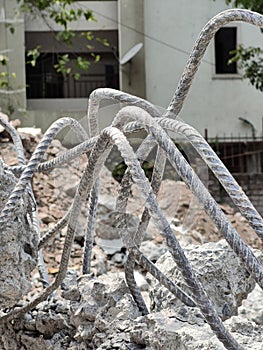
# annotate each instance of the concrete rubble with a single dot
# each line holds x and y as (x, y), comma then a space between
(18, 244)
(226, 281)
(96, 311)
(99, 313)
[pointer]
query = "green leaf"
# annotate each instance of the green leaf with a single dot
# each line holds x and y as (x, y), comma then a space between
(33, 56)
(82, 63)
(76, 76)
(3, 60)
(66, 36)
(103, 41)
(250, 60)
(95, 56)
(61, 66)
(12, 30)
(88, 35)
(90, 47)
(89, 16)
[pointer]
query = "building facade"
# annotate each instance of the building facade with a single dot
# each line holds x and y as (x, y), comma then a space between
(220, 104)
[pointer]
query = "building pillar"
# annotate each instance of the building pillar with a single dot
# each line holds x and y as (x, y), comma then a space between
(131, 32)
(13, 98)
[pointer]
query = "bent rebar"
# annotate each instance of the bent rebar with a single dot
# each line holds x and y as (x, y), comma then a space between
(97, 148)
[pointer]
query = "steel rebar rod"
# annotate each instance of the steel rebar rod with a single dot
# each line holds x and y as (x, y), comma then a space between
(177, 252)
(228, 182)
(36, 158)
(199, 49)
(196, 186)
(138, 176)
(16, 140)
(22, 162)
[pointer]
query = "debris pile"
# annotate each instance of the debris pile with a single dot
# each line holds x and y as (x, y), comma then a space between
(54, 192)
(95, 311)
(99, 312)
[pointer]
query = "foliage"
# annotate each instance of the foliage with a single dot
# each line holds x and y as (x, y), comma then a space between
(5, 76)
(62, 13)
(254, 5)
(249, 59)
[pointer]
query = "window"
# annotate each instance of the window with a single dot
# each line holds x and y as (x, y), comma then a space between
(225, 41)
(43, 81)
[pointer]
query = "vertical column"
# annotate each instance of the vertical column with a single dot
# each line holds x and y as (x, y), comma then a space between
(131, 32)
(13, 99)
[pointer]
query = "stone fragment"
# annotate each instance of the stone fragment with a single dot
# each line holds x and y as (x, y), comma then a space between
(151, 250)
(251, 309)
(221, 272)
(18, 244)
(49, 324)
(166, 330)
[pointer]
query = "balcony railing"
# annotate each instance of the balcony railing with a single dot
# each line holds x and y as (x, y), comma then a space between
(51, 85)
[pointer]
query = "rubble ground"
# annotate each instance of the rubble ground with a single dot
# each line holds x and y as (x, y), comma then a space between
(97, 311)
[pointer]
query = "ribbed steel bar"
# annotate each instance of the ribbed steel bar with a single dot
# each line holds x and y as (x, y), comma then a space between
(22, 162)
(235, 192)
(69, 155)
(177, 252)
(228, 182)
(36, 158)
(93, 108)
(121, 203)
(199, 49)
(16, 140)
(89, 239)
(58, 226)
(152, 269)
(157, 175)
(115, 95)
(196, 186)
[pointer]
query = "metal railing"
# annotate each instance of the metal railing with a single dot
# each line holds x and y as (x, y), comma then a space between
(54, 85)
(240, 154)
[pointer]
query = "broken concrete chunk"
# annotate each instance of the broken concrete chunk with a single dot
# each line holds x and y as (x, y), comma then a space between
(18, 244)
(221, 272)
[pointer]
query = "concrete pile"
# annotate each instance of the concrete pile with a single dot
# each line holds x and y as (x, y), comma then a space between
(96, 311)
(99, 313)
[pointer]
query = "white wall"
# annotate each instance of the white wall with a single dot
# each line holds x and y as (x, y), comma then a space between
(105, 13)
(12, 46)
(171, 28)
(131, 28)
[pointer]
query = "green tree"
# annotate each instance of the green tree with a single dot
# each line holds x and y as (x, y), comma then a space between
(62, 13)
(249, 59)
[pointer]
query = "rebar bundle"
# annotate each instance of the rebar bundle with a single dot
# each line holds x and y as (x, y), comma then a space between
(139, 114)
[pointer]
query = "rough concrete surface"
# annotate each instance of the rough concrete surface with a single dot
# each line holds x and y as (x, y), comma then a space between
(18, 245)
(97, 311)
(222, 273)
